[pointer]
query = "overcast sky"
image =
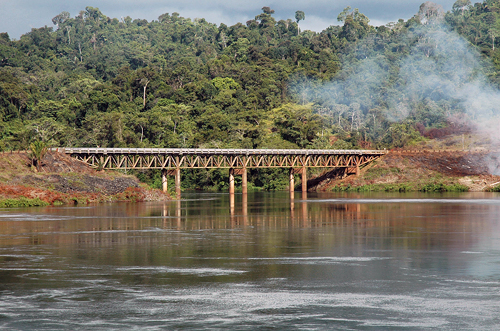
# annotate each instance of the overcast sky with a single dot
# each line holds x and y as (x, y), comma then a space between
(20, 16)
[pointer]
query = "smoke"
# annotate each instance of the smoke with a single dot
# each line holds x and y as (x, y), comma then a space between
(443, 68)
(447, 70)
(441, 76)
(454, 72)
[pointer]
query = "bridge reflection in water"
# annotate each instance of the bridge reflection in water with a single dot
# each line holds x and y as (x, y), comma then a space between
(172, 160)
(129, 224)
(239, 214)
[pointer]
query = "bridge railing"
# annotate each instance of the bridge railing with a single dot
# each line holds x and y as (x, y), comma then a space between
(213, 151)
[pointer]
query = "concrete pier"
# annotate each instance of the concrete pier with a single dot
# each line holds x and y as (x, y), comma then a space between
(304, 179)
(244, 181)
(231, 181)
(164, 180)
(178, 182)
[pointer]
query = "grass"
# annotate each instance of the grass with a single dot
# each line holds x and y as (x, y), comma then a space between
(375, 173)
(375, 188)
(403, 187)
(22, 202)
(440, 187)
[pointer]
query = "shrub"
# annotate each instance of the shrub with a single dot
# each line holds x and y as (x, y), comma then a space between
(440, 187)
(494, 189)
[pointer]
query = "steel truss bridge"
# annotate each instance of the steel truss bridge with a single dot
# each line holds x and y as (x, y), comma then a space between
(171, 160)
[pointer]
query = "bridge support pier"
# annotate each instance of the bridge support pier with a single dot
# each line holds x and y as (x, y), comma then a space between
(304, 179)
(292, 180)
(164, 180)
(178, 182)
(231, 181)
(244, 181)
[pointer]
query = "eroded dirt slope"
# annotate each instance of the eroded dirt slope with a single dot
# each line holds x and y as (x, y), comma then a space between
(64, 178)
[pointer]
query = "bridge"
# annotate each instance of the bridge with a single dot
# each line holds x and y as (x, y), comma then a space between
(172, 160)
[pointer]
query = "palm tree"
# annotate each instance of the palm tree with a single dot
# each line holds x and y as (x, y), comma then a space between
(38, 151)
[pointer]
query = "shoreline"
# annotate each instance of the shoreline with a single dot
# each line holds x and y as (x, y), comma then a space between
(12, 196)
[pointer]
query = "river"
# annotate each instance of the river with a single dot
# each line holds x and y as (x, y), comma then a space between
(263, 262)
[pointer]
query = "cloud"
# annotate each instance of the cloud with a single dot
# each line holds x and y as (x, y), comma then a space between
(316, 23)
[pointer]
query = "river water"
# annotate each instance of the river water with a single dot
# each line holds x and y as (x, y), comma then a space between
(262, 262)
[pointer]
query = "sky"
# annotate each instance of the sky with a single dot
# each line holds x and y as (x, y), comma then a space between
(18, 17)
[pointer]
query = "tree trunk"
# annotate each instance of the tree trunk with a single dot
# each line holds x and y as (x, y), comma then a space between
(144, 95)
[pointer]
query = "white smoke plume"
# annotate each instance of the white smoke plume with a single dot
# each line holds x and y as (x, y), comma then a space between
(441, 71)
(444, 67)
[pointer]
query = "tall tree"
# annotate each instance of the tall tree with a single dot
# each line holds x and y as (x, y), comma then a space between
(299, 16)
(61, 18)
(461, 5)
(493, 33)
(430, 12)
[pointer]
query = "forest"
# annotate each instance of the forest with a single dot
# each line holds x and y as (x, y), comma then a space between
(92, 80)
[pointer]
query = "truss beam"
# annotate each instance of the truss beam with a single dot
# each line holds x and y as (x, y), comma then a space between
(171, 158)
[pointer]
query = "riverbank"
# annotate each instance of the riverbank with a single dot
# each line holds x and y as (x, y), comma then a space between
(63, 180)
(425, 171)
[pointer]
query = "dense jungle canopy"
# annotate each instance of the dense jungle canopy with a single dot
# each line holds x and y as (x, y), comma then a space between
(92, 80)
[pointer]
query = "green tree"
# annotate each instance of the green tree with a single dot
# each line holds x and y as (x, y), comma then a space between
(297, 124)
(355, 24)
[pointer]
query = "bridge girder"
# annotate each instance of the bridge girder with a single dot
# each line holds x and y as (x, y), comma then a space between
(111, 158)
